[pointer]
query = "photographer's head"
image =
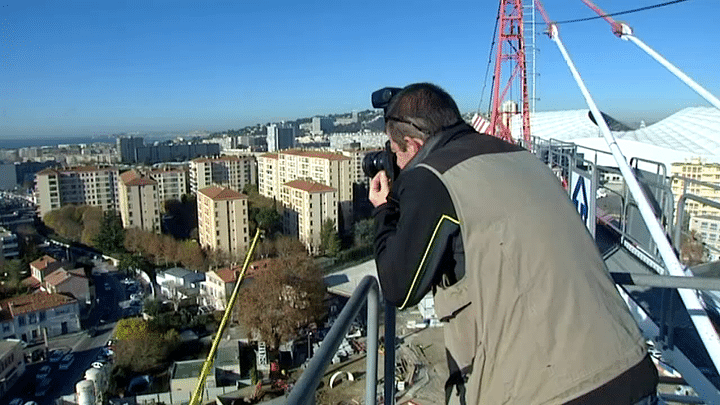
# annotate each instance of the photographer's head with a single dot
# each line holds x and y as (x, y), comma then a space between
(417, 113)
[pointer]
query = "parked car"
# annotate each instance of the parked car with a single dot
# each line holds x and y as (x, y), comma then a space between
(43, 373)
(56, 355)
(107, 286)
(66, 361)
(98, 364)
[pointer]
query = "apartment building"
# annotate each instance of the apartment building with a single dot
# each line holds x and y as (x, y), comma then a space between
(708, 227)
(223, 220)
(172, 183)
(87, 185)
(26, 316)
(234, 172)
(331, 169)
(12, 364)
(9, 246)
(139, 202)
(268, 181)
(307, 205)
(357, 175)
(696, 169)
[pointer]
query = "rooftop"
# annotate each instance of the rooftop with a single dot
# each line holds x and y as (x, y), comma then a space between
(43, 262)
(221, 193)
(226, 158)
(187, 369)
(59, 276)
(227, 274)
(315, 154)
(309, 186)
(23, 304)
(133, 178)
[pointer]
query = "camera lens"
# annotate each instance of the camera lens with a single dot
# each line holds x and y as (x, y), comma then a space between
(373, 163)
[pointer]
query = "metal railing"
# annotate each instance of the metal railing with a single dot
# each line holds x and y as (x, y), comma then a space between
(304, 390)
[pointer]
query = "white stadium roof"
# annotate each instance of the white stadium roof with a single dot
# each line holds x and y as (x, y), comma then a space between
(691, 132)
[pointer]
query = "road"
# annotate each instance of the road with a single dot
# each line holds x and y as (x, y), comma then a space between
(86, 349)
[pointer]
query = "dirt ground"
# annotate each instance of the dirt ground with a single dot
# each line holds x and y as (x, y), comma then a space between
(421, 354)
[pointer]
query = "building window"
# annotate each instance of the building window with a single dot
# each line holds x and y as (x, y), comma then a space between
(21, 320)
(32, 318)
(42, 315)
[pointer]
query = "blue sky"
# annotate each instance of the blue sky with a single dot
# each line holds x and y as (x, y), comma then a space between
(96, 67)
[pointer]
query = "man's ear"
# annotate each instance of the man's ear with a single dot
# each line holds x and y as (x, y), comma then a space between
(414, 143)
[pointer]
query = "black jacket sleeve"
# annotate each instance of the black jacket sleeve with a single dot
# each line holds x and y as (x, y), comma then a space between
(414, 236)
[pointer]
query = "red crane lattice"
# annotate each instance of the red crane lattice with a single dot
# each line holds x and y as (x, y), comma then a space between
(511, 48)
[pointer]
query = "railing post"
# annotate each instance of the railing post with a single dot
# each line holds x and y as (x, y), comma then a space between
(371, 380)
(389, 354)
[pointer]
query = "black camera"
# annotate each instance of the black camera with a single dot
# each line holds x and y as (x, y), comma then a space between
(381, 160)
(381, 98)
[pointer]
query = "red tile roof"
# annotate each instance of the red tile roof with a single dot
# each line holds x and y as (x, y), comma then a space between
(270, 155)
(221, 193)
(228, 274)
(47, 172)
(315, 154)
(310, 186)
(133, 178)
(59, 276)
(229, 158)
(43, 262)
(40, 301)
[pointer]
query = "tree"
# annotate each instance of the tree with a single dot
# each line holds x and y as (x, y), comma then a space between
(142, 349)
(111, 237)
(329, 239)
(269, 219)
(364, 232)
(288, 246)
(286, 296)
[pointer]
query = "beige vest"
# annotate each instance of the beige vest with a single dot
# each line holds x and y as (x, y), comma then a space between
(545, 323)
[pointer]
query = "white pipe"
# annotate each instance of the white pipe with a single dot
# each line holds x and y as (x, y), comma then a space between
(692, 303)
(674, 70)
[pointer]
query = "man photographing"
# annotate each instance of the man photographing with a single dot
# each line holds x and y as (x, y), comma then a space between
(517, 280)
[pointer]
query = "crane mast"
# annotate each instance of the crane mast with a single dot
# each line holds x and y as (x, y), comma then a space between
(511, 48)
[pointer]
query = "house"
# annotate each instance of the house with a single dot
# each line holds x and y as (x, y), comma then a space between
(218, 286)
(26, 316)
(184, 377)
(71, 282)
(12, 363)
(179, 283)
(44, 266)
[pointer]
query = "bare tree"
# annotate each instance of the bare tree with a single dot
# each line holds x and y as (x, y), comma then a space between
(284, 297)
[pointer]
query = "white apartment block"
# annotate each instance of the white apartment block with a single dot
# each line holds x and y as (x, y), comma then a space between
(307, 205)
(138, 201)
(172, 183)
(356, 159)
(223, 220)
(331, 169)
(698, 170)
(226, 171)
(88, 185)
(12, 364)
(708, 227)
